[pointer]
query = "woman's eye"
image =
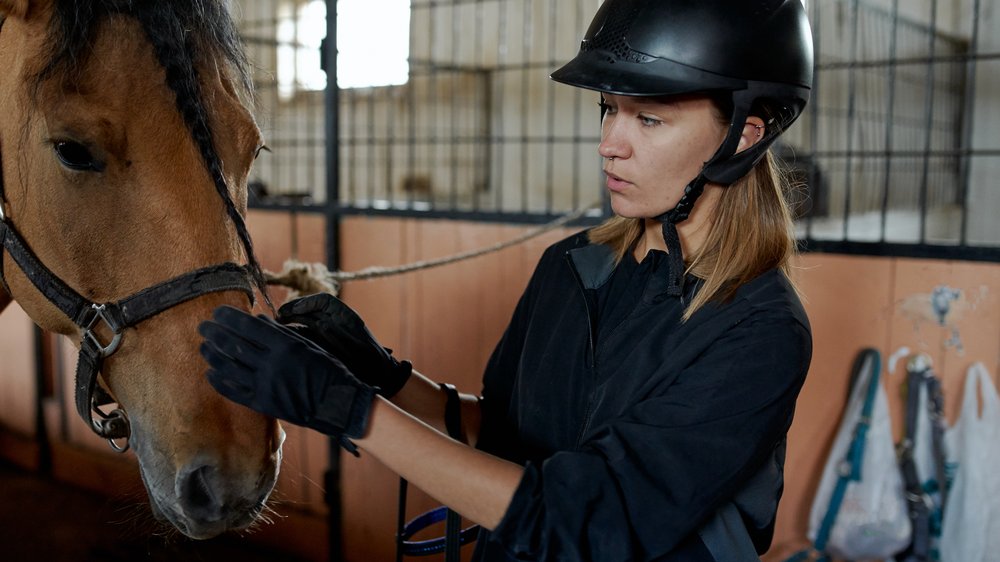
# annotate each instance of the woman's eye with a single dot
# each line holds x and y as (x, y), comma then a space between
(77, 157)
(649, 121)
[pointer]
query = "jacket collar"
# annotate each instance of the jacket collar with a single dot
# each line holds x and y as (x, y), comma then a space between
(594, 264)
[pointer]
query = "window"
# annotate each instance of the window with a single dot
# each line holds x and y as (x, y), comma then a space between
(373, 40)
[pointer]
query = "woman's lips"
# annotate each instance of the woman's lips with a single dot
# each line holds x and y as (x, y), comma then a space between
(616, 184)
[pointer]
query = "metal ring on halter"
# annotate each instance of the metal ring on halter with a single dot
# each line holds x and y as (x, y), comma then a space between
(105, 350)
(114, 422)
(2, 215)
(119, 448)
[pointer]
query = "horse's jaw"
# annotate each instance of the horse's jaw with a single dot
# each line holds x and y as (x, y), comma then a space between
(197, 498)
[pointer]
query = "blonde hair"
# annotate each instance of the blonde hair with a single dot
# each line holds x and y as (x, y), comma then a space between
(751, 232)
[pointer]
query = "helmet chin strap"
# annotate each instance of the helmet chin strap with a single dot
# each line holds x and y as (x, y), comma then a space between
(675, 256)
(721, 168)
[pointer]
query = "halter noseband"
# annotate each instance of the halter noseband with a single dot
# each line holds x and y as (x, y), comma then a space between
(115, 316)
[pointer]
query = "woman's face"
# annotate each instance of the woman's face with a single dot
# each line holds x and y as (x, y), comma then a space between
(653, 147)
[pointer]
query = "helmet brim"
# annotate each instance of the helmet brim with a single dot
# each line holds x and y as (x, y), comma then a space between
(600, 71)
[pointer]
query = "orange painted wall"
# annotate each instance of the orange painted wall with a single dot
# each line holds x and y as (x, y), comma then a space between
(447, 320)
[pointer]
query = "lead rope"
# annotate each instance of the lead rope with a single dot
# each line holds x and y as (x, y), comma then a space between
(310, 278)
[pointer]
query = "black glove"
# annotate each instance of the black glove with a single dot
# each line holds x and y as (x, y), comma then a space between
(265, 366)
(339, 330)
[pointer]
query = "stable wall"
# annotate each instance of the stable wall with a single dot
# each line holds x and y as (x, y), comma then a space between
(447, 320)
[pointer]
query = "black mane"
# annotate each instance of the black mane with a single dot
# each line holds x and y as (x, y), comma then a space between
(182, 32)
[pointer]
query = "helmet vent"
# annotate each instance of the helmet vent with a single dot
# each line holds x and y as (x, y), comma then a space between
(611, 37)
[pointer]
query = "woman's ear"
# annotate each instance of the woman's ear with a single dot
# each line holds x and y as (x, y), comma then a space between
(753, 131)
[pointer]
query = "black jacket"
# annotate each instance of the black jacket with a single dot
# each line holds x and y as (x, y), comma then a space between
(643, 438)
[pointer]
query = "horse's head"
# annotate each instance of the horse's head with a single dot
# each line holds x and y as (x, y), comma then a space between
(126, 144)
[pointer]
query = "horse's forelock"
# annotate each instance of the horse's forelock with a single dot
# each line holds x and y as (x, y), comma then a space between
(203, 22)
(182, 32)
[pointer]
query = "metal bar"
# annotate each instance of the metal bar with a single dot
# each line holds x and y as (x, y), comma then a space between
(411, 110)
(907, 61)
(526, 45)
(968, 122)
(487, 149)
(851, 101)
(472, 138)
(924, 251)
(332, 122)
(422, 66)
(456, 35)
(390, 123)
(577, 104)
(480, 118)
(943, 153)
(890, 110)
(371, 148)
(928, 135)
(501, 58)
(481, 216)
(433, 99)
(353, 153)
(550, 124)
(814, 125)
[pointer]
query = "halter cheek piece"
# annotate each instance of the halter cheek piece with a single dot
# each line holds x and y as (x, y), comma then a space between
(115, 316)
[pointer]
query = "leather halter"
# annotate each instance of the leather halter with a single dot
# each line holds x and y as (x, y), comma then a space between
(116, 316)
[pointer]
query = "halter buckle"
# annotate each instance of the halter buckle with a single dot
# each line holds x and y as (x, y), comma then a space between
(100, 314)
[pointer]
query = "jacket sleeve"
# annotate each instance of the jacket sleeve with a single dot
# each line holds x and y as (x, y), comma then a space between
(495, 434)
(644, 482)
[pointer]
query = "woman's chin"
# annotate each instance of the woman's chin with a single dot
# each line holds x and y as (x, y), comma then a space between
(628, 210)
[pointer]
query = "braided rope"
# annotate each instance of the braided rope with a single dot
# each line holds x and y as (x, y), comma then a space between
(309, 278)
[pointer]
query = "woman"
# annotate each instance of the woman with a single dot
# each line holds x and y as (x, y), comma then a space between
(637, 405)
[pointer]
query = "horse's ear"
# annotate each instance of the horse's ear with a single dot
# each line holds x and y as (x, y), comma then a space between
(15, 8)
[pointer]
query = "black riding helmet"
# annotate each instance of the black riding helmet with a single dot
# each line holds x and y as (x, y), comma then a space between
(760, 52)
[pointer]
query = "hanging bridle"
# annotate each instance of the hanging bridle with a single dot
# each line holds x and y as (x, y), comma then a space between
(116, 316)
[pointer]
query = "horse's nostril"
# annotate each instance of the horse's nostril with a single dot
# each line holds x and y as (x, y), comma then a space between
(197, 495)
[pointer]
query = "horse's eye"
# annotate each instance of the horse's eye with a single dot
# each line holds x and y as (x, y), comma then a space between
(75, 156)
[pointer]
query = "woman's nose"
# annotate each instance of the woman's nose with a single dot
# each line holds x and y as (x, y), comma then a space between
(613, 144)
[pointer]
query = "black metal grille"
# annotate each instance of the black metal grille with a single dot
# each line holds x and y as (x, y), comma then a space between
(892, 155)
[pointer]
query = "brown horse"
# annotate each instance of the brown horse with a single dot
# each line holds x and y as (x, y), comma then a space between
(125, 145)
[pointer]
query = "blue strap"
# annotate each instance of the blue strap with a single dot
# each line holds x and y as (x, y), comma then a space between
(430, 546)
(850, 468)
(455, 537)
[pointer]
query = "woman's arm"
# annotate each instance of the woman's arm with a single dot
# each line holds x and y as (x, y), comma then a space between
(475, 484)
(423, 399)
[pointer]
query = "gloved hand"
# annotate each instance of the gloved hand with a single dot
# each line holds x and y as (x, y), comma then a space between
(263, 365)
(339, 330)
